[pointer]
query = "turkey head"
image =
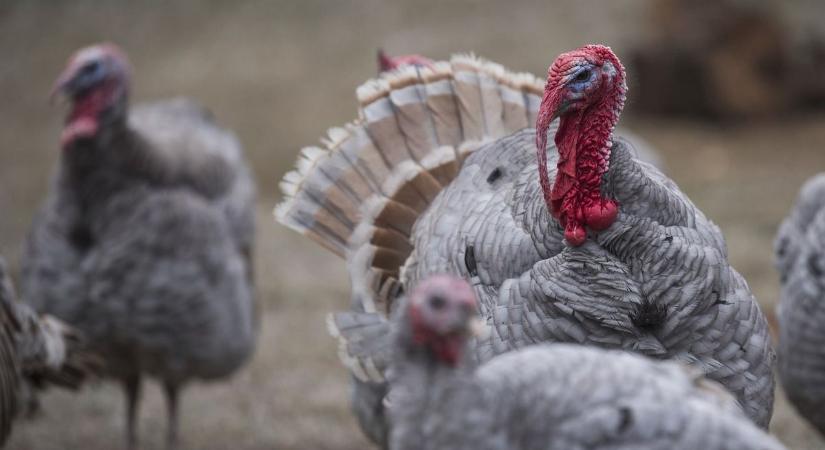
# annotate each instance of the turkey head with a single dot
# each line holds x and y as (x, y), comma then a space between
(442, 313)
(96, 83)
(387, 63)
(585, 89)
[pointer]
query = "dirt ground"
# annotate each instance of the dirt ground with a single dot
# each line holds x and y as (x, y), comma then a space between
(279, 74)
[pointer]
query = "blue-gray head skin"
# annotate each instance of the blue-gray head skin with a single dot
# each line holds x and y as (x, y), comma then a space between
(96, 84)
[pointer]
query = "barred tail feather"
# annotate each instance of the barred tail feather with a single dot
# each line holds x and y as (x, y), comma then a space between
(361, 191)
(363, 343)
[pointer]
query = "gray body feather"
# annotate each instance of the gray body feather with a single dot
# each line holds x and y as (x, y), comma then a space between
(35, 352)
(656, 282)
(565, 397)
(144, 243)
(800, 254)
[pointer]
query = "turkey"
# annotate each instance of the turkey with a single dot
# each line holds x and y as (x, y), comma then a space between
(550, 396)
(387, 63)
(35, 352)
(145, 239)
(800, 255)
(440, 174)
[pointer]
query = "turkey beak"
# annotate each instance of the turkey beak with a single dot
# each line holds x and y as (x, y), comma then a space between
(61, 84)
(563, 107)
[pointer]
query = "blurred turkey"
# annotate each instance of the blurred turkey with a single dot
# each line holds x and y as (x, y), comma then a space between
(35, 352)
(145, 239)
(387, 63)
(800, 255)
(552, 396)
(440, 175)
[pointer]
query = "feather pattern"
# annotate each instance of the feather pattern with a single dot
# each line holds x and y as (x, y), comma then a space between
(145, 245)
(548, 396)
(563, 396)
(35, 352)
(800, 258)
(360, 194)
(656, 282)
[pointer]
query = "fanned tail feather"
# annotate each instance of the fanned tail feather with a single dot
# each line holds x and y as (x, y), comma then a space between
(36, 351)
(63, 358)
(363, 343)
(360, 192)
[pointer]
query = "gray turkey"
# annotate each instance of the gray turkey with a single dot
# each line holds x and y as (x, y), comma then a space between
(35, 352)
(145, 239)
(550, 396)
(800, 255)
(440, 174)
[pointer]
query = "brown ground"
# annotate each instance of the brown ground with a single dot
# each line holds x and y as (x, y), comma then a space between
(279, 74)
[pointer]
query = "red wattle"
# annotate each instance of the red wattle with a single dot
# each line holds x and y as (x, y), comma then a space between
(83, 120)
(448, 350)
(583, 141)
(601, 214)
(574, 234)
(80, 128)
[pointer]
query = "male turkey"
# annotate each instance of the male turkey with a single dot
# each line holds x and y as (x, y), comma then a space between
(145, 240)
(551, 396)
(35, 352)
(800, 254)
(440, 175)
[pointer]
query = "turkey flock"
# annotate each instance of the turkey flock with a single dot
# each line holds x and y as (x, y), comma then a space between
(524, 274)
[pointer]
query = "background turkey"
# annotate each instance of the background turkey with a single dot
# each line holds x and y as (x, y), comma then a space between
(145, 240)
(387, 63)
(35, 352)
(557, 396)
(800, 255)
(435, 178)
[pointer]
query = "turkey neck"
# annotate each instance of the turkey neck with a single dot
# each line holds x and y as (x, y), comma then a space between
(428, 401)
(97, 169)
(427, 397)
(584, 140)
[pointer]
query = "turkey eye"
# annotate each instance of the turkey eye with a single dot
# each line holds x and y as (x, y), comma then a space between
(584, 75)
(91, 68)
(437, 302)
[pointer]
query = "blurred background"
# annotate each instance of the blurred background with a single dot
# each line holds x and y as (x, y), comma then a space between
(731, 93)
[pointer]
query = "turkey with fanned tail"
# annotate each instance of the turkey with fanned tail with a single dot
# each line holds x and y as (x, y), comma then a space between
(546, 396)
(576, 242)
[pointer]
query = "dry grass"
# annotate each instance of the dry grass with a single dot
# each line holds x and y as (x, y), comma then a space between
(280, 73)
